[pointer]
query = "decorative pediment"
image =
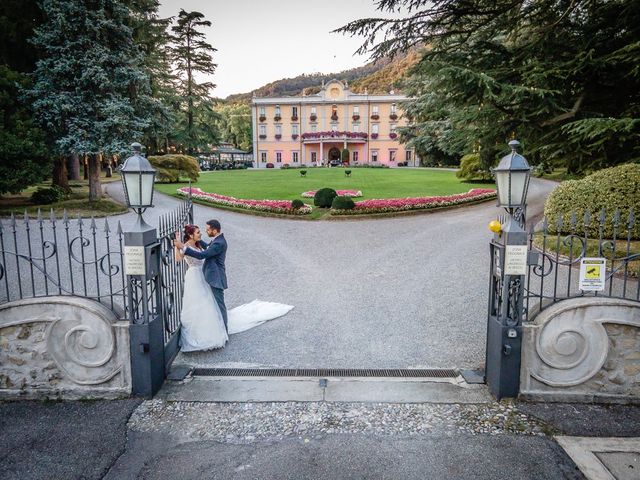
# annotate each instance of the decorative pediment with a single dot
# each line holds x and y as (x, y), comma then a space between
(334, 90)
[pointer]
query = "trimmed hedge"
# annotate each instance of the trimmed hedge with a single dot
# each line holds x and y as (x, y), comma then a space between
(48, 195)
(343, 203)
(297, 203)
(324, 197)
(471, 168)
(611, 188)
(173, 167)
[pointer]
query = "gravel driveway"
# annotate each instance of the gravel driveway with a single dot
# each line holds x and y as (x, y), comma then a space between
(409, 291)
(400, 292)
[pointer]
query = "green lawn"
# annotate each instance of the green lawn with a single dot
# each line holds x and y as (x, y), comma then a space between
(288, 184)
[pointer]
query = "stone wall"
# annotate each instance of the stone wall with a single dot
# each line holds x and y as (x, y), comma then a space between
(63, 347)
(584, 350)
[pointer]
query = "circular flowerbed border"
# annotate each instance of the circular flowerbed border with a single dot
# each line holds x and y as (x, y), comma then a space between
(273, 206)
(388, 205)
(341, 193)
(373, 206)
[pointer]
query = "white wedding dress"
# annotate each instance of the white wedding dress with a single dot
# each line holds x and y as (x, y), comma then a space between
(202, 324)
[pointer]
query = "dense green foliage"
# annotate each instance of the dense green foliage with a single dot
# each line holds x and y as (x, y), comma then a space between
(47, 196)
(471, 168)
(192, 55)
(234, 124)
(296, 203)
(324, 197)
(611, 188)
(560, 75)
(23, 155)
(343, 203)
(171, 168)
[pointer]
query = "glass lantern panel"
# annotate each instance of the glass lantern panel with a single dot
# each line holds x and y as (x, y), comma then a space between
(518, 183)
(132, 182)
(502, 182)
(147, 189)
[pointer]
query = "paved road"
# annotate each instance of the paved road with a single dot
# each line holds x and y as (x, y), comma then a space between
(91, 440)
(399, 292)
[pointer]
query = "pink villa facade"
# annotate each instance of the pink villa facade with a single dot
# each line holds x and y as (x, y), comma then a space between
(314, 129)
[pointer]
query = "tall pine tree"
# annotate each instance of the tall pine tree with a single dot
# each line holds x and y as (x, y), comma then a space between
(23, 155)
(193, 55)
(88, 80)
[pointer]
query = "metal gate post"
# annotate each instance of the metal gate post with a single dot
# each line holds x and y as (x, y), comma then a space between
(504, 327)
(146, 329)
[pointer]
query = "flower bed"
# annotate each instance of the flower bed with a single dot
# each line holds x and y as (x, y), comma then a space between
(417, 203)
(341, 193)
(273, 206)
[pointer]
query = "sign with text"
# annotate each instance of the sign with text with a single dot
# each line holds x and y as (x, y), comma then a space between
(515, 260)
(134, 262)
(592, 274)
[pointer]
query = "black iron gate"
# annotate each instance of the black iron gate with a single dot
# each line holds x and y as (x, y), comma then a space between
(172, 277)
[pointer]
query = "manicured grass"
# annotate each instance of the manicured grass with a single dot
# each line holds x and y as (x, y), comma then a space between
(76, 204)
(288, 184)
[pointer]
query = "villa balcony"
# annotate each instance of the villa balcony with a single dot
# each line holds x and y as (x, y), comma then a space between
(334, 118)
(262, 118)
(352, 137)
(393, 116)
(375, 116)
(313, 117)
(294, 118)
(355, 117)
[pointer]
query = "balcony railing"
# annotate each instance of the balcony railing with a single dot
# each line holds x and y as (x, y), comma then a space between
(313, 117)
(262, 118)
(334, 134)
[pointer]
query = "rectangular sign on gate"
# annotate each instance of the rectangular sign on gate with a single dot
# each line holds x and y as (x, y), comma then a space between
(134, 261)
(515, 260)
(592, 274)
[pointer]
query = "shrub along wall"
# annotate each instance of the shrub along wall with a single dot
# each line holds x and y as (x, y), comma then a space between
(611, 188)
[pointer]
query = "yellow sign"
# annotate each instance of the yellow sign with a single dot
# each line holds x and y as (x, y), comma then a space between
(592, 274)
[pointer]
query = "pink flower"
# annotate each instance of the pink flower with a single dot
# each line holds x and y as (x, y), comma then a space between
(417, 203)
(274, 206)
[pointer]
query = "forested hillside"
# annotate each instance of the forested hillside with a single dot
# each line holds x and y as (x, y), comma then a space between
(376, 77)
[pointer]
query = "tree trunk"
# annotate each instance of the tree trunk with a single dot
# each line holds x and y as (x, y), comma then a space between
(109, 167)
(73, 165)
(60, 173)
(85, 167)
(95, 189)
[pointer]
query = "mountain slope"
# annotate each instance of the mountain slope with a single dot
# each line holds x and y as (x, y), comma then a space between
(376, 77)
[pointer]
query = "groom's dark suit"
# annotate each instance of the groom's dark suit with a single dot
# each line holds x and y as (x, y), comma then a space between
(214, 255)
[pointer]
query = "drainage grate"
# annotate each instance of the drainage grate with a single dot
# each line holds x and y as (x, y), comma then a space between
(326, 372)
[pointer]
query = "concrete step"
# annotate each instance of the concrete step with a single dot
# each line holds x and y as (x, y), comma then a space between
(330, 389)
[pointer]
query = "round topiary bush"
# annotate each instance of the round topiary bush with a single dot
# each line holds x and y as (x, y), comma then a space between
(48, 195)
(297, 204)
(343, 203)
(611, 188)
(324, 197)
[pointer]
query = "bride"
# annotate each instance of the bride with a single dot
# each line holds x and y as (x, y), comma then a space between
(202, 323)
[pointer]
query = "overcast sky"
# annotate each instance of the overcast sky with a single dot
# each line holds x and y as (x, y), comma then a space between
(264, 40)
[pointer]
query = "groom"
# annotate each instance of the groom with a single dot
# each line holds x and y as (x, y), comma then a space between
(213, 254)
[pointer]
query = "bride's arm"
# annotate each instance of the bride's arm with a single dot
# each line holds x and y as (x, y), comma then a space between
(176, 251)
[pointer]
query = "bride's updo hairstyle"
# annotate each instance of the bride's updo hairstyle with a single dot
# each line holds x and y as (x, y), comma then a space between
(189, 230)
